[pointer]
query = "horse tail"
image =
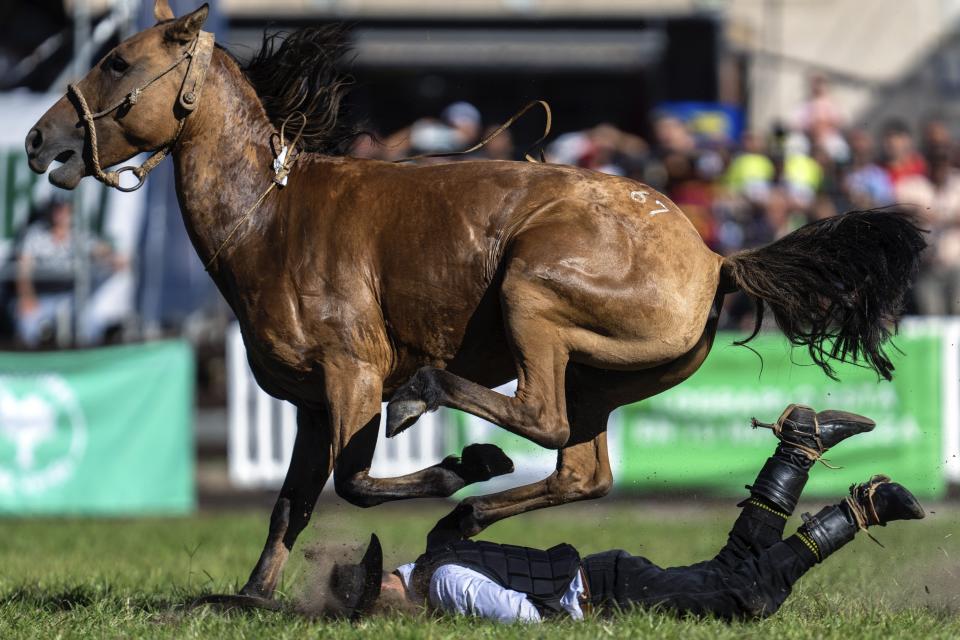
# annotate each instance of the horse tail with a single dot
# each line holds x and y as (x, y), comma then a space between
(836, 286)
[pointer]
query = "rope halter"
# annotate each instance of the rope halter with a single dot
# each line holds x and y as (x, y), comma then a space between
(198, 55)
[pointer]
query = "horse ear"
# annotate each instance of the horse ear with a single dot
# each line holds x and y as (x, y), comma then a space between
(186, 28)
(162, 10)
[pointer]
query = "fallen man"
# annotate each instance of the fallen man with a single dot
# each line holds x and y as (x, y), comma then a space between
(750, 577)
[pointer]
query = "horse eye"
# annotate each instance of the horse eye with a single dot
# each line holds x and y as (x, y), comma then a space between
(118, 64)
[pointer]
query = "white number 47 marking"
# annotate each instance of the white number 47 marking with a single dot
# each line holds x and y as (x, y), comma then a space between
(641, 197)
(662, 209)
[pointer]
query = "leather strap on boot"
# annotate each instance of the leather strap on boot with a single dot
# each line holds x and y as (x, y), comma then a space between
(828, 530)
(781, 483)
(814, 453)
(860, 504)
(811, 434)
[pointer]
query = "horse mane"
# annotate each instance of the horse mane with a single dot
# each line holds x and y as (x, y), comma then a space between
(301, 71)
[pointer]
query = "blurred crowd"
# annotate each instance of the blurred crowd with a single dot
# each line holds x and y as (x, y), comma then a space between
(751, 191)
(738, 194)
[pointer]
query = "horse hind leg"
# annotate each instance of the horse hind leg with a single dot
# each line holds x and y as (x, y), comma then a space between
(583, 468)
(538, 410)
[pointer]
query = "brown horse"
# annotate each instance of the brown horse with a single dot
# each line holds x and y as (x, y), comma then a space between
(428, 285)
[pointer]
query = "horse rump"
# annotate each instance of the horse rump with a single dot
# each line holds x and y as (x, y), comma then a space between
(836, 286)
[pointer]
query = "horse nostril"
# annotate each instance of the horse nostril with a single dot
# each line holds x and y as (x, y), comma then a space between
(34, 139)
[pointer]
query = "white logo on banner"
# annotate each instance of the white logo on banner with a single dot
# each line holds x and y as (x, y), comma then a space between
(43, 434)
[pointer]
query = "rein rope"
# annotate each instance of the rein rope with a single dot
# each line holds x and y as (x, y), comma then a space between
(200, 50)
(112, 178)
(506, 125)
(283, 165)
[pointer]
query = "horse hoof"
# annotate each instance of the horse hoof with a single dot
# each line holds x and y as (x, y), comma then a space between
(480, 462)
(446, 531)
(459, 524)
(225, 602)
(256, 589)
(401, 414)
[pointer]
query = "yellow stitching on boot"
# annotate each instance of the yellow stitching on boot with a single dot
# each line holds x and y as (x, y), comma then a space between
(810, 544)
(759, 504)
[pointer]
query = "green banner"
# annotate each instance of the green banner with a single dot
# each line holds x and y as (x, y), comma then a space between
(696, 438)
(101, 431)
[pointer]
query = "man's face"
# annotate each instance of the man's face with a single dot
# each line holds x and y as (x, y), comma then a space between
(61, 215)
(898, 144)
(394, 597)
(392, 582)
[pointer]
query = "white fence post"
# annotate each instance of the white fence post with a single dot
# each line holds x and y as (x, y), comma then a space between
(262, 430)
(951, 400)
(947, 330)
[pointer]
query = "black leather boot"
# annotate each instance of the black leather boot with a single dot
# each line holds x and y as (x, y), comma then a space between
(810, 433)
(827, 531)
(780, 483)
(875, 502)
(879, 501)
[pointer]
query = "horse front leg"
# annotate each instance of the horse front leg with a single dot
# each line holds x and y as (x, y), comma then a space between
(310, 466)
(355, 419)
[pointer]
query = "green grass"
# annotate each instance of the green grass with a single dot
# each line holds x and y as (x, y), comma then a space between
(127, 578)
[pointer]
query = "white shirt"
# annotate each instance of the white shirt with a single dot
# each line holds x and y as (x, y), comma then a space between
(463, 591)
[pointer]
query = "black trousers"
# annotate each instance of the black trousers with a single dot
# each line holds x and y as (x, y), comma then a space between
(750, 577)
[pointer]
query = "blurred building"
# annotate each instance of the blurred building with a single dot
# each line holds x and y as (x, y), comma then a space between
(882, 57)
(598, 61)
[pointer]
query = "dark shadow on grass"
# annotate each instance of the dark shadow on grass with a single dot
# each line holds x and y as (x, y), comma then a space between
(73, 597)
(59, 599)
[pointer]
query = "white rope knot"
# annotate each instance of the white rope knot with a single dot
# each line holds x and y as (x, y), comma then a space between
(133, 97)
(281, 168)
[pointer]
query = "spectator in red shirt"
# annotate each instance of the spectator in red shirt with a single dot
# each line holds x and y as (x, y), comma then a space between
(903, 159)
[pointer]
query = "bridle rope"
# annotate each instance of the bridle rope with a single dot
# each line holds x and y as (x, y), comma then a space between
(548, 124)
(200, 52)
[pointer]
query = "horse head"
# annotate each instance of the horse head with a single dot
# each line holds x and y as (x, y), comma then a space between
(134, 99)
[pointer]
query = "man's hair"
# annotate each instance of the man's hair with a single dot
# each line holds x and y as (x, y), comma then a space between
(895, 126)
(392, 601)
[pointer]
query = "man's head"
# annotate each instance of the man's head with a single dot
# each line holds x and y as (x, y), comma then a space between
(897, 141)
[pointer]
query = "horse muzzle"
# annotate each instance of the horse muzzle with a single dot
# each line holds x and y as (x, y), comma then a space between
(56, 138)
